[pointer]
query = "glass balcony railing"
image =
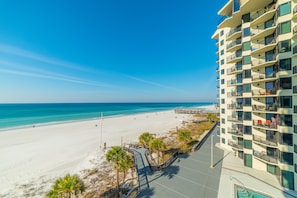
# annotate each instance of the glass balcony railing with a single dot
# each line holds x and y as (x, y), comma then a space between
(233, 43)
(235, 131)
(235, 145)
(263, 155)
(263, 43)
(234, 69)
(234, 106)
(265, 124)
(264, 108)
(260, 61)
(234, 56)
(262, 140)
(264, 92)
(263, 11)
(259, 76)
(233, 30)
(234, 94)
(234, 119)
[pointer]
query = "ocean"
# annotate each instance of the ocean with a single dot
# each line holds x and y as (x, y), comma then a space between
(24, 115)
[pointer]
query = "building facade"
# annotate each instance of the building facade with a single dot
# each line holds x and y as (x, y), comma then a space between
(257, 84)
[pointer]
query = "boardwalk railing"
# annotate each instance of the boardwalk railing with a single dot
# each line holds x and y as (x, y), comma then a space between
(165, 164)
(203, 139)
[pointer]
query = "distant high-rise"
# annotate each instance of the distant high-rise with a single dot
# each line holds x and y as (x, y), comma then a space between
(257, 83)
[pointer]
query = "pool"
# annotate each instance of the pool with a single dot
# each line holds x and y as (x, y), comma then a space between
(242, 192)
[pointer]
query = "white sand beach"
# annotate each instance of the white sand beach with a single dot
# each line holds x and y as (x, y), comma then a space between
(35, 154)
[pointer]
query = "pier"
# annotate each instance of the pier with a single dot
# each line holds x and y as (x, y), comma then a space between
(187, 111)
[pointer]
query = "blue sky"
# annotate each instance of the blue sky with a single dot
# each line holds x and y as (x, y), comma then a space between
(108, 51)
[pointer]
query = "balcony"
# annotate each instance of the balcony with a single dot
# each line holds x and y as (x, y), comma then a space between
(262, 140)
(234, 94)
(234, 106)
(263, 46)
(259, 77)
(234, 45)
(235, 145)
(235, 131)
(234, 33)
(262, 32)
(264, 157)
(265, 108)
(263, 15)
(269, 60)
(267, 124)
(218, 78)
(234, 82)
(218, 68)
(263, 92)
(234, 119)
(234, 70)
(234, 57)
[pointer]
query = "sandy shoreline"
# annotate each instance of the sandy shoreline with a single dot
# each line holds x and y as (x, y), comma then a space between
(50, 151)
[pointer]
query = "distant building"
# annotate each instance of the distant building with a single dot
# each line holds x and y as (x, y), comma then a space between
(257, 83)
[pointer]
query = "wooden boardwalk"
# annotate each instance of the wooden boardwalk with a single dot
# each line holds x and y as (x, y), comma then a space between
(187, 111)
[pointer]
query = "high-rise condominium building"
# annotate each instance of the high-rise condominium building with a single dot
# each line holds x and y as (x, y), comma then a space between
(257, 83)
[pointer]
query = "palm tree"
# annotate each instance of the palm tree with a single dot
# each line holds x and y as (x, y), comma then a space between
(145, 139)
(66, 187)
(116, 155)
(125, 164)
(157, 145)
(184, 136)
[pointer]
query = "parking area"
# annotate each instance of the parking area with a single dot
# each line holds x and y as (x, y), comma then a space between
(190, 175)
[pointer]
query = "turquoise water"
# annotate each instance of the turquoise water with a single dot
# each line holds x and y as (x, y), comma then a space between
(20, 115)
(247, 193)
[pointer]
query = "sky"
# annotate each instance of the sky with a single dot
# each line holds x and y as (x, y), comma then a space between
(108, 51)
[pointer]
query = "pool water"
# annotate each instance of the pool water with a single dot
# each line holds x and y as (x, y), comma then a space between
(242, 192)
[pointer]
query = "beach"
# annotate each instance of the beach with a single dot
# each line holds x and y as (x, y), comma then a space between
(38, 153)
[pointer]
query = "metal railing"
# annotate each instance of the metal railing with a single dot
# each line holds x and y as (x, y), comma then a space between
(235, 131)
(265, 124)
(263, 11)
(235, 145)
(233, 43)
(234, 30)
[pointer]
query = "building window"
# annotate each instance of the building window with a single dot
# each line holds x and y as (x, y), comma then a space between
(223, 130)
(222, 33)
(286, 101)
(248, 160)
(284, 9)
(286, 120)
(246, 18)
(269, 23)
(222, 42)
(284, 27)
(246, 88)
(295, 128)
(285, 64)
(295, 167)
(223, 121)
(246, 60)
(286, 139)
(285, 83)
(236, 5)
(286, 158)
(269, 56)
(246, 46)
(222, 62)
(247, 144)
(223, 81)
(287, 179)
(222, 71)
(222, 91)
(285, 46)
(223, 111)
(295, 148)
(222, 52)
(247, 73)
(246, 32)
(222, 101)
(247, 130)
(223, 141)
(247, 116)
(247, 102)
(271, 169)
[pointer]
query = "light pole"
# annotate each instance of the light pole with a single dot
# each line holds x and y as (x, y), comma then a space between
(211, 151)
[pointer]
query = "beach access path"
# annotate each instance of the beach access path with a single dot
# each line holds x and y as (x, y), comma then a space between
(190, 175)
